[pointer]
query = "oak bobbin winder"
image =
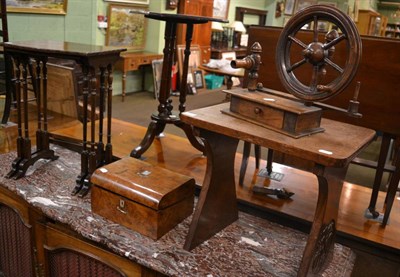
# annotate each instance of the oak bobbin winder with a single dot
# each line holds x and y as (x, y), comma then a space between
(298, 114)
(322, 77)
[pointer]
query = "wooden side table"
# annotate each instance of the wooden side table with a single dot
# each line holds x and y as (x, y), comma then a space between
(330, 152)
(131, 61)
(165, 111)
(96, 61)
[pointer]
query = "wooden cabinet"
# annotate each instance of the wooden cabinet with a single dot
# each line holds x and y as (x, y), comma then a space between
(33, 245)
(368, 22)
(65, 254)
(16, 237)
(201, 32)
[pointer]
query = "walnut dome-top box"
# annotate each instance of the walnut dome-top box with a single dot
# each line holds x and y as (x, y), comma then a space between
(148, 199)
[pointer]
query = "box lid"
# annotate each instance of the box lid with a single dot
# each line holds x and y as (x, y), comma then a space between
(152, 186)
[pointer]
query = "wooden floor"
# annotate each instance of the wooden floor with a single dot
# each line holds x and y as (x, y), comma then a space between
(175, 153)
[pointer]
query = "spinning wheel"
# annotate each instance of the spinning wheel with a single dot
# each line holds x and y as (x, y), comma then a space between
(293, 53)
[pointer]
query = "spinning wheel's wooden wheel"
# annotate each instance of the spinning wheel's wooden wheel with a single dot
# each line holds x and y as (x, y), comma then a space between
(293, 53)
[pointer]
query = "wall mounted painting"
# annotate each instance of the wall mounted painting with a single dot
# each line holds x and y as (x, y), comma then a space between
(289, 7)
(221, 9)
(125, 27)
(136, 2)
(301, 4)
(33, 6)
(328, 3)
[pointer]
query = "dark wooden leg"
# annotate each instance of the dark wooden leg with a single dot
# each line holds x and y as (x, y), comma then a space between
(25, 156)
(7, 107)
(155, 128)
(194, 141)
(9, 89)
(100, 144)
(45, 140)
(257, 155)
(85, 152)
(211, 214)
(143, 72)
(92, 162)
(229, 82)
(183, 85)
(270, 159)
(164, 116)
(392, 189)
(17, 84)
(39, 101)
(25, 142)
(108, 150)
(245, 160)
(379, 173)
(322, 236)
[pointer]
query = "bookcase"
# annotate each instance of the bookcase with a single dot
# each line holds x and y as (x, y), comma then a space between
(392, 30)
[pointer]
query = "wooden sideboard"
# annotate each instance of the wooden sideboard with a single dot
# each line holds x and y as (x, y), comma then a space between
(51, 249)
(131, 61)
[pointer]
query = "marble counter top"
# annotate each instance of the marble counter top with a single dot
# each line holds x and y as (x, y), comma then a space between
(249, 247)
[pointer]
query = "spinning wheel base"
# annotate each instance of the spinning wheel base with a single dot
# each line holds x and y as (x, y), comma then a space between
(273, 112)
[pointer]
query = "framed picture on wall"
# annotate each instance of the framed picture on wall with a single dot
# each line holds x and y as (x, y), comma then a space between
(289, 7)
(125, 28)
(221, 9)
(328, 3)
(301, 4)
(32, 6)
(136, 2)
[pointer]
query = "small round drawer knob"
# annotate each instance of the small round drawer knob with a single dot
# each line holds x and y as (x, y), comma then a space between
(257, 110)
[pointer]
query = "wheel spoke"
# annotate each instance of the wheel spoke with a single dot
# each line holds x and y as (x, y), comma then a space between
(335, 66)
(314, 79)
(315, 29)
(296, 65)
(334, 42)
(297, 42)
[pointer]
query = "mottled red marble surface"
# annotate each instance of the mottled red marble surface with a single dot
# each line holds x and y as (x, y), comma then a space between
(249, 247)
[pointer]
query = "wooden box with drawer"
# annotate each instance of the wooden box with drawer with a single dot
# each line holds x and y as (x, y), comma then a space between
(283, 115)
(148, 199)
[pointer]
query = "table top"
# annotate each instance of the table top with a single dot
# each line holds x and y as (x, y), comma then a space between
(335, 147)
(54, 48)
(182, 18)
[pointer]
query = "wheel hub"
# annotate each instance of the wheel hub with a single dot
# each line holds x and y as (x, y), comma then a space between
(315, 53)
